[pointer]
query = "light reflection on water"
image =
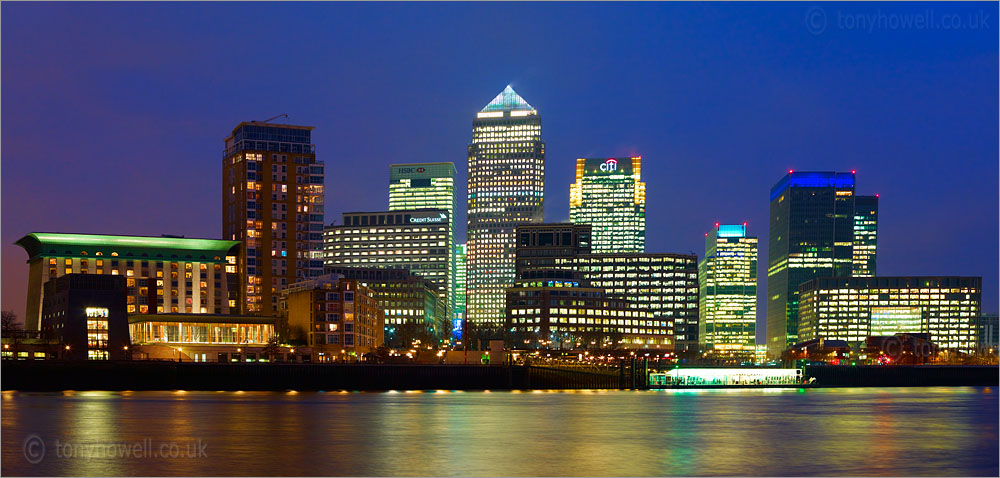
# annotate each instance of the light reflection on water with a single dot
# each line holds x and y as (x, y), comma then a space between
(850, 431)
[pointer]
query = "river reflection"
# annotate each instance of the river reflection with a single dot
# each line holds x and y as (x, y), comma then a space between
(899, 431)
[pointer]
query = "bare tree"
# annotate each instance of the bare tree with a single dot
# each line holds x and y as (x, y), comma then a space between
(9, 323)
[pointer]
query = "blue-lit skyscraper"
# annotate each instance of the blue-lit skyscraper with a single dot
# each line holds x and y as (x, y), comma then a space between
(812, 234)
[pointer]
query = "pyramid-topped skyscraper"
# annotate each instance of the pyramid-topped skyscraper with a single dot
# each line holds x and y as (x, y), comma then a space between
(506, 183)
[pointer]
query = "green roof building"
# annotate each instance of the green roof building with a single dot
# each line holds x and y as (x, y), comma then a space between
(168, 273)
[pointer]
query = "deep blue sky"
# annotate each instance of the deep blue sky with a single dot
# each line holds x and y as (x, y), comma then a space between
(114, 114)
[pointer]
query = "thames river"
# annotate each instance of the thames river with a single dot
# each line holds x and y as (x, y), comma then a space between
(859, 431)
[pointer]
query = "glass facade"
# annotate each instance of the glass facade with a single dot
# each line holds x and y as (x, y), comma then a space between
(506, 183)
(415, 240)
(727, 280)
(852, 308)
(567, 314)
(149, 330)
(865, 235)
(608, 194)
(460, 251)
(428, 186)
(272, 202)
(813, 216)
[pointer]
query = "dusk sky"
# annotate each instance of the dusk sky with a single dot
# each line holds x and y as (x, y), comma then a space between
(114, 114)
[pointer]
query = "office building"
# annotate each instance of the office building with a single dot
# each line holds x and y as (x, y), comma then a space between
(334, 316)
(543, 250)
(272, 202)
(865, 235)
(568, 313)
(204, 338)
(852, 308)
(506, 182)
(609, 195)
(163, 274)
(428, 186)
(988, 333)
(416, 240)
(812, 234)
(411, 306)
(665, 285)
(458, 319)
(727, 282)
(85, 314)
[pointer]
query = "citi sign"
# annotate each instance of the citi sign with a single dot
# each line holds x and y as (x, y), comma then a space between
(610, 165)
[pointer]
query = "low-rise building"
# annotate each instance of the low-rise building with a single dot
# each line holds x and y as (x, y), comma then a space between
(411, 305)
(569, 313)
(334, 316)
(85, 315)
(852, 308)
(166, 274)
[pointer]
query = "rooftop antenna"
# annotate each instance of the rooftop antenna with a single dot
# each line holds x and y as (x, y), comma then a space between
(282, 115)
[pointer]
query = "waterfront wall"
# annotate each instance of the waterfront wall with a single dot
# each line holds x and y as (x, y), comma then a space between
(904, 375)
(141, 375)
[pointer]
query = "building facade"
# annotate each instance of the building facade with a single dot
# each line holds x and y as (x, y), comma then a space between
(506, 184)
(988, 333)
(411, 305)
(428, 186)
(570, 314)
(458, 319)
(415, 240)
(163, 274)
(272, 202)
(812, 234)
(334, 316)
(852, 308)
(727, 282)
(865, 235)
(85, 314)
(664, 284)
(544, 250)
(610, 196)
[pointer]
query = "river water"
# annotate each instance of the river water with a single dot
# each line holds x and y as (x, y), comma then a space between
(850, 431)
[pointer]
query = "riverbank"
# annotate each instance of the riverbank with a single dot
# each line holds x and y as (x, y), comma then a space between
(139, 375)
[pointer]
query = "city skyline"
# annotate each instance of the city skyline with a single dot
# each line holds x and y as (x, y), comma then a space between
(916, 155)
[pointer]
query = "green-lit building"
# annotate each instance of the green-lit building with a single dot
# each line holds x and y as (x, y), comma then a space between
(727, 282)
(166, 274)
(609, 195)
(459, 316)
(428, 186)
(812, 234)
(852, 308)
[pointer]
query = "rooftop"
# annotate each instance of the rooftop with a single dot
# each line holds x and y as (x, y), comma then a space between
(507, 100)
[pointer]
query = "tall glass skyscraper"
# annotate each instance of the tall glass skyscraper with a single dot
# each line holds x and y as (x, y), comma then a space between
(428, 186)
(812, 234)
(608, 194)
(727, 279)
(506, 183)
(865, 235)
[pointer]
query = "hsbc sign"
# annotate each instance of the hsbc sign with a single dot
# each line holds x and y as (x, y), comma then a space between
(410, 170)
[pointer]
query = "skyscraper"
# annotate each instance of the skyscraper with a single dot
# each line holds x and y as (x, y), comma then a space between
(812, 234)
(459, 317)
(506, 181)
(272, 201)
(865, 235)
(727, 280)
(609, 195)
(428, 186)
